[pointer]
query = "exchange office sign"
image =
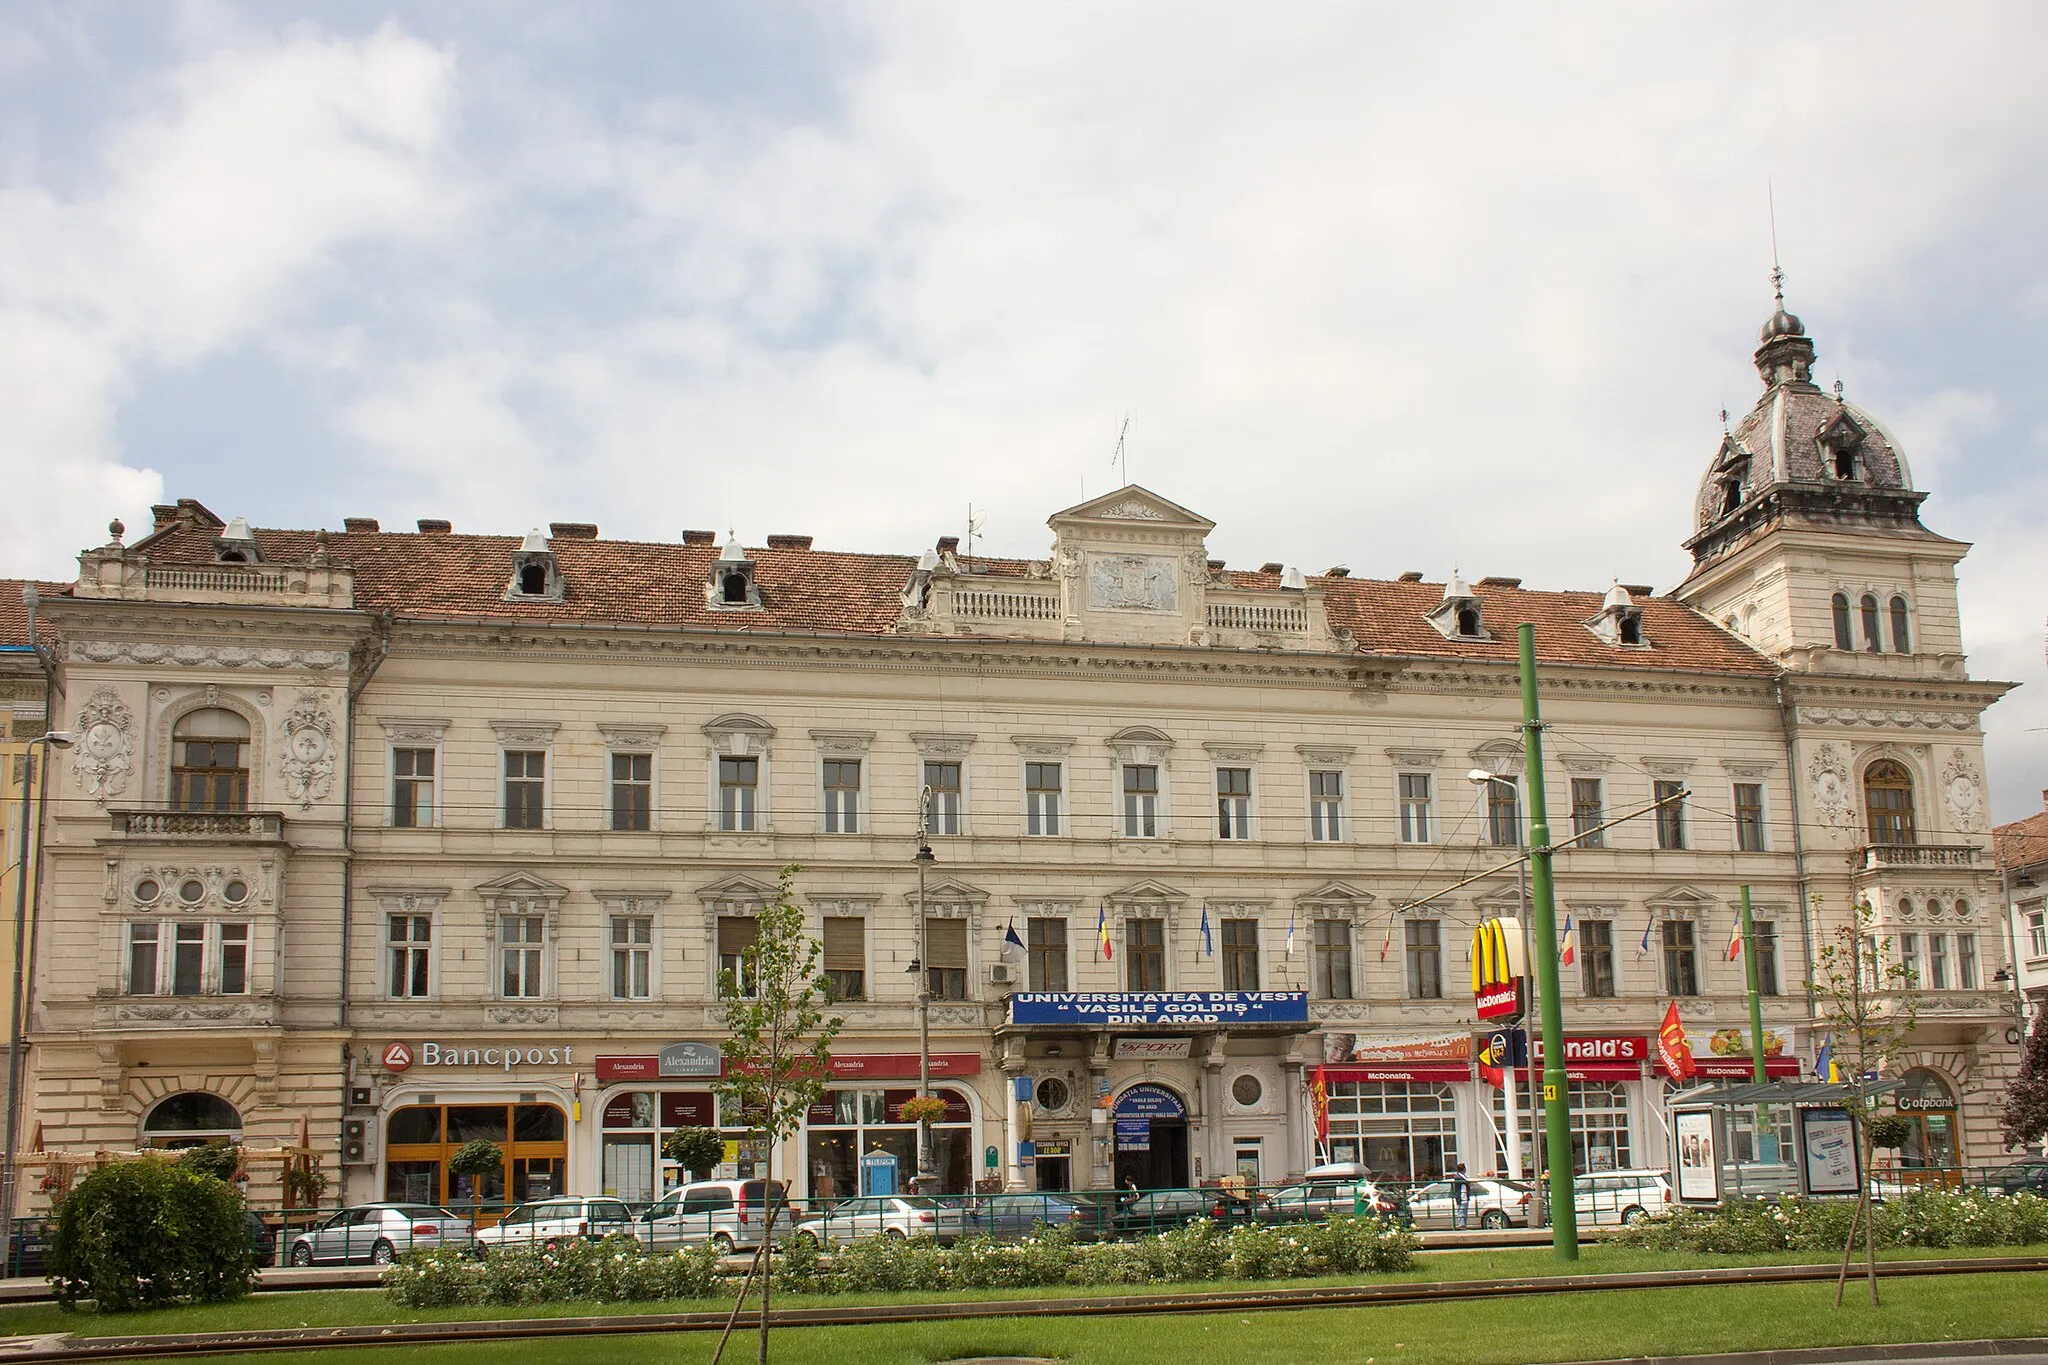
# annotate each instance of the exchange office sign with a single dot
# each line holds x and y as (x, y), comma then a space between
(1159, 1008)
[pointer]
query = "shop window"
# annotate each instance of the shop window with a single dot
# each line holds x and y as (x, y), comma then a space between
(209, 767)
(846, 956)
(1400, 1131)
(1141, 800)
(632, 957)
(945, 945)
(1415, 802)
(739, 781)
(1333, 959)
(419, 1139)
(1046, 953)
(1888, 802)
(1749, 817)
(1240, 955)
(845, 1125)
(412, 788)
(637, 1122)
(1928, 1105)
(1596, 958)
(842, 795)
(525, 788)
(1902, 637)
(1145, 954)
(1233, 803)
(1325, 806)
(942, 795)
(1042, 798)
(1843, 638)
(1423, 946)
(1589, 811)
(633, 792)
(1601, 1139)
(1670, 814)
(736, 937)
(410, 939)
(1504, 812)
(191, 1118)
(1681, 958)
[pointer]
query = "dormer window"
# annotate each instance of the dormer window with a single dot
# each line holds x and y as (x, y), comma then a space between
(535, 575)
(1731, 472)
(1468, 622)
(730, 585)
(1458, 616)
(733, 589)
(236, 545)
(1620, 621)
(1838, 441)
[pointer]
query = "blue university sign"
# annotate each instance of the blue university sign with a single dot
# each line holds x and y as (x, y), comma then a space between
(1152, 1008)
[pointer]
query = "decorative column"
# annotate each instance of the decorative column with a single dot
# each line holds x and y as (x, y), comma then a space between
(1295, 1096)
(1212, 1107)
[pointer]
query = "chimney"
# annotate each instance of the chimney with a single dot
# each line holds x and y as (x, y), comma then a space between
(359, 526)
(1274, 566)
(1638, 590)
(789, 542)
(573, 530)
(432, 527)
(1494, 581)
(1412, 576)
(700, 537)
(949, 545)
(165, 513)
(1216, 566)
(1338, 571)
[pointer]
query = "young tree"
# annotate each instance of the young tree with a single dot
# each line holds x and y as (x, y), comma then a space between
(696, 1150)
(778, 1051)
(1867, 999)
(477, 1159)
(2026, 1103)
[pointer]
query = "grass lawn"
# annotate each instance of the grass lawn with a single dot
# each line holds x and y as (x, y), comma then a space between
(345, 1307)
(1584, 1327)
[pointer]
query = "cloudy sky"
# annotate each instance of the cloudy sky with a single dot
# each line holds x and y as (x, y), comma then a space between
(1392, 286)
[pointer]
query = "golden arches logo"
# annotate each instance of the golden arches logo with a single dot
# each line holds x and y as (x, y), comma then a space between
(1496, 953)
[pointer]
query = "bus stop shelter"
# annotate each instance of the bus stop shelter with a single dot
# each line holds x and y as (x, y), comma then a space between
(1759, 1139)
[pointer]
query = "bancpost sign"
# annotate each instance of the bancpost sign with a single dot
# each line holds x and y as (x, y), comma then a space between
(508, 1056)
(1148, 1009)
(1498, 971)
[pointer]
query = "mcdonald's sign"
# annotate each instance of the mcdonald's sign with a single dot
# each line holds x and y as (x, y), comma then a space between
(1498, 969)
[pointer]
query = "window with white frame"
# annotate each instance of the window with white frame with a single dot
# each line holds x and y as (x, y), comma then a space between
(1681, 958)
(1325, 805)
(526, 772)
(1415, 804)
(1423, 948)
(1504, 812)
(1909, 958)
(1145, 954)
(188, 957)
(1749, 817)
(1589, 811)
(1240, 955)
(412, 788)
(2037, 928)
(522, 956)
(1596, 958)
(842, 795)
(1141, 800)
(739, 785)
(409, 940)
(1045, 948)
(945, 945)
(846, 956)
(632, 957)
(942, 782)
(1937, 962)
(1233, 803)
(633, 791)
(1333, 959)
(1765, 933)
(1042, 791)
(1966, 962)
(1670, 813)
(736, 938)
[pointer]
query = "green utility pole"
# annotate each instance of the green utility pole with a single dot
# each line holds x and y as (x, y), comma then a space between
(1756, 1000)
(1557, 1127)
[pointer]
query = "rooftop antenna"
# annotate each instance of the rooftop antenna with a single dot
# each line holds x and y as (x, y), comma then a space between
(1122, 456)
(1777, 271)
(974, 524)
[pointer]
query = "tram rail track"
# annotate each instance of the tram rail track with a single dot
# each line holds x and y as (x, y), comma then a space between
(187, 1344)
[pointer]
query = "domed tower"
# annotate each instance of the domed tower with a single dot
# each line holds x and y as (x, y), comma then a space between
(1807, 537)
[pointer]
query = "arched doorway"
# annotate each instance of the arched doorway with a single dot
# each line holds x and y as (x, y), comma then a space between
(1151, 1126)
(1888, 802)
(190, 1118)
(1928, 1105)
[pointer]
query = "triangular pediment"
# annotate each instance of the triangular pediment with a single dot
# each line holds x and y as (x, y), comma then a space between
(952, 891)
(1149, 889)
(738, 887)
(1332, 892)
(1134, 504)
(1674, 897)
(519, 885)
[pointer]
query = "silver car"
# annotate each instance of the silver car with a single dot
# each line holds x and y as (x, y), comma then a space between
(729, 1214)
(1609, 1198)
(379, 1234)
(888, 1215)
(1489, 1204)
(545, 1222)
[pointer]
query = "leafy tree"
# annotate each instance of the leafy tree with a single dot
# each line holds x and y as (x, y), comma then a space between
(2026, 1102)
(696, 1150)
(221, 1160)
(1867, 999)
(148, 1234)
(778, 1051)
(476, 1159)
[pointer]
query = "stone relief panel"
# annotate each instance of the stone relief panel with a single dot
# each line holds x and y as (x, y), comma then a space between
(1827, 772)
(308, 762)
(1962, 793)
(1132, 583)
(105, 753)
(1132, 509)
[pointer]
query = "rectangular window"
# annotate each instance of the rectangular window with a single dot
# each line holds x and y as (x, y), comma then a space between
(1966, 962)
(1145, 954)
(1042, 798)
(1766, 936)
(1233, 803)
(739, 780)
(521, 941)
(525, 788)
(942, 780)
(1325, 806)
(842, 796)
(1414, 808)
(1333, 959)
(632, 957)
(207, 774)
(1045, 942)
(142, 945)
(412, 788)
(188, 959)
(1681, 959)
(2037, 931)
(1423, 946)
(1240, 955)
(633, 791)
(1937, 962)
(945, 943)
(846, 956)
(1141, 801)
(1749, 817)
(1909, 958)
(736, 935)
(1596, 958)
(1670, 816)
(1589, 810)
(233, 959)
(1504, 812)
(411, 940)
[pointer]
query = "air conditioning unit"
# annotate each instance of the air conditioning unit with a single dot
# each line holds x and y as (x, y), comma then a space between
(1002, 973)
(359, 1142)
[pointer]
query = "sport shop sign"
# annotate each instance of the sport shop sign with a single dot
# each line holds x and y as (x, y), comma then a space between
(402, 1056)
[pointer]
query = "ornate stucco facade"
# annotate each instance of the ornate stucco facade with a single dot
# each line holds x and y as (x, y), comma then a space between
(384, 832)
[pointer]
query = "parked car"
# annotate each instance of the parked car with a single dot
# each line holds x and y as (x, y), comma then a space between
(1490, 1203)
(1164, 1210)
(378, 1233)
(1018, 1215)
(2031, 1176)
(262, 1238)
(1311, 1201)
(1608, 1198)
(544, 1222)
(885, 1215)
(730, 1214)
(28, 1248)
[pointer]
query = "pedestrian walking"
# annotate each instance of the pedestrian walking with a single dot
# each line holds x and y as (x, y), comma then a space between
(1461, 1198)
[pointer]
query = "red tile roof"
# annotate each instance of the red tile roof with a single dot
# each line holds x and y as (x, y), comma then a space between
(14, 614)
(2022, 843)
(441, 574)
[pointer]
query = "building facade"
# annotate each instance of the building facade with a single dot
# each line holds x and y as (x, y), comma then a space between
(404, 838)
(23, 703)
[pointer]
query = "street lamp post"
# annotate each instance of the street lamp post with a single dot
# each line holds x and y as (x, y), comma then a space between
(57, 739)
(1480, 777)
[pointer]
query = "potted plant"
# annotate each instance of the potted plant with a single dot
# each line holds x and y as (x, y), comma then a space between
(697, 1150)
(476, 1160)
(1890, 1131)
(923, 1109)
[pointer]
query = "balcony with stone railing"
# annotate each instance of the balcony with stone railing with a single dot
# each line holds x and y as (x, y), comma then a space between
(130, 576)
(1878, 856)
(199, 826)
(1006, 605)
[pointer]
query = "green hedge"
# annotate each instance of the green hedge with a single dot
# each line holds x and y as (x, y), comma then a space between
(615, 1270)
(146, 1234)
(1921, 1218)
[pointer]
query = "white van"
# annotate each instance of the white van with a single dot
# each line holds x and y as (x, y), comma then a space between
(730, 1214)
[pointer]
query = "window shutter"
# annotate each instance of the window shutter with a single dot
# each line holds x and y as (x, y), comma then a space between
(845, 944)
(945, 942)
(736, 933)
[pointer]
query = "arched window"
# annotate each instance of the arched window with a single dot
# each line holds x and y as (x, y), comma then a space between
(1902, 642)
(734, 588)
(191, 1118)
(1870, 639)
(1888, 802)
(1843, 640)
(533, 580)
(209, 761)
(1468, 621)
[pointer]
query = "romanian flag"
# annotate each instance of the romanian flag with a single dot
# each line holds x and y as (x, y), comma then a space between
(1387, 942)
(1102, 933)
(1735, 939)
(1568, 951)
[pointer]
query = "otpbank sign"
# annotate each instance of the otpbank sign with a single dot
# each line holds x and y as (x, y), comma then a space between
(402, 1056)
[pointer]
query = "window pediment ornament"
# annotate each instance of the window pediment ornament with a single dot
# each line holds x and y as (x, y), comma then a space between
(737, 890)
(843, 743)
(740, 736)
(1234, 753)
(1139, 744)
(1415, 760)
(1325, 755)
(406, 730)
(408, 900)
(1501, 757)
(1749, 771)
(631, 901)
(942, 746)
(1671, 766)
(1043, 746)
(531, 734)
(1581, 762)
(1680, 902)
(1335, 895)
(637, 739)
(1148, 893)
(950, 890)
(520, 889)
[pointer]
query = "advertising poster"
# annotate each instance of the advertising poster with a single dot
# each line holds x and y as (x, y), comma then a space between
(1698, 1164)
(1831, 1163)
